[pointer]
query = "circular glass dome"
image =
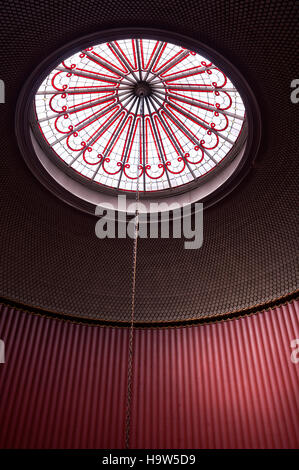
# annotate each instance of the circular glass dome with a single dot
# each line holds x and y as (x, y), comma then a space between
(139, 113)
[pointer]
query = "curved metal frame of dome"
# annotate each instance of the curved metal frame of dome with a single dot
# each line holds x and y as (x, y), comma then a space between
(77, 319)
(247, 143)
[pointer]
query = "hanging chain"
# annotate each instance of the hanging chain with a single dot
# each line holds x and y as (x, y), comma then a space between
(131, 333)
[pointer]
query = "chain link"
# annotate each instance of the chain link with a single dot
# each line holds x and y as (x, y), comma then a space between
(131, 334)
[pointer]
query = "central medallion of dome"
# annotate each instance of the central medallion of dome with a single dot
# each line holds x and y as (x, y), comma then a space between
(143, 88)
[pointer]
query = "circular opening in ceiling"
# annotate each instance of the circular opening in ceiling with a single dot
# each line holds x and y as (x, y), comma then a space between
(137, 109)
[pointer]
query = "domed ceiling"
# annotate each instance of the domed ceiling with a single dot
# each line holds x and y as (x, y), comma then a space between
(51, 258)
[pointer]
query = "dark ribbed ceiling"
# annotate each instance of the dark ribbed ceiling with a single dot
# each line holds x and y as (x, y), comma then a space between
(50, 256)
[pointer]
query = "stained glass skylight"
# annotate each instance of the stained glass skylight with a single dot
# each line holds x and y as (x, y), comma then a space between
(139, 111)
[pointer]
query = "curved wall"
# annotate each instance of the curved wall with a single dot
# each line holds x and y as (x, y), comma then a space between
(229, 384)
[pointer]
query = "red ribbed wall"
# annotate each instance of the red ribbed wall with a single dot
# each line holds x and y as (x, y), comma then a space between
(224, 385)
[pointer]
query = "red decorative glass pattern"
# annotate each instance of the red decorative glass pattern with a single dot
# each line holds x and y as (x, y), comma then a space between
(139, 110)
